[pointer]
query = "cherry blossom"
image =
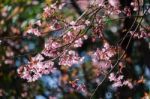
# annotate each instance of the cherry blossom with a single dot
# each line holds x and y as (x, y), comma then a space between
(78, 86)
(69, 58)
(114, 3)
(34, 31)
(78, 43)
(51, 48)
(48, 11)
(118, 81)
(35, 69)
(38, 23)
(73, 33)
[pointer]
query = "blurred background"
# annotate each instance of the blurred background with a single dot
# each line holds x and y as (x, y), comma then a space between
(16, 49)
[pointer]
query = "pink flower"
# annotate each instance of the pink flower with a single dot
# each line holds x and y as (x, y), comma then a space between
(114, 3)
(101, 58)
(35, 69)
(85, 37)
(112, 77)
(52, 97)
(47, 67)
(68, 37)
(38, 57)
(34, 31)
(128, 84)
(120, 77)
(49, 11)
(117, 84)
(101, 3)
(87, 22)
(38, 23)
(135, 5)
(73, 23)
(78, 43)
(51, 48)
(118, 81)
(29, 72)
(70, 58)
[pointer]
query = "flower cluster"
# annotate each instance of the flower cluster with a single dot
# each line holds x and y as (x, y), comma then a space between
(101, 58)
(34, 31)
(69, 58)
(35, 69)
(78, 86)
(118, 81)
(140, 34)
(51, 48)
(49, 11)
(134, 4)
(65, 35)
(72, 38)
(99, 27)
(113, 7)
(85, 39)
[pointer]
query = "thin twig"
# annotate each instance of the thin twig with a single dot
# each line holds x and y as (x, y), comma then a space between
(119, 58)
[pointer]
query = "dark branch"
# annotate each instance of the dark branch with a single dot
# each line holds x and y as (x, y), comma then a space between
(77, 8)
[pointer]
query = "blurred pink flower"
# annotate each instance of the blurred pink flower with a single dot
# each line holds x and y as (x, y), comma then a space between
(114, 3)
(35, 69)
(51, 48)
(70, 58)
